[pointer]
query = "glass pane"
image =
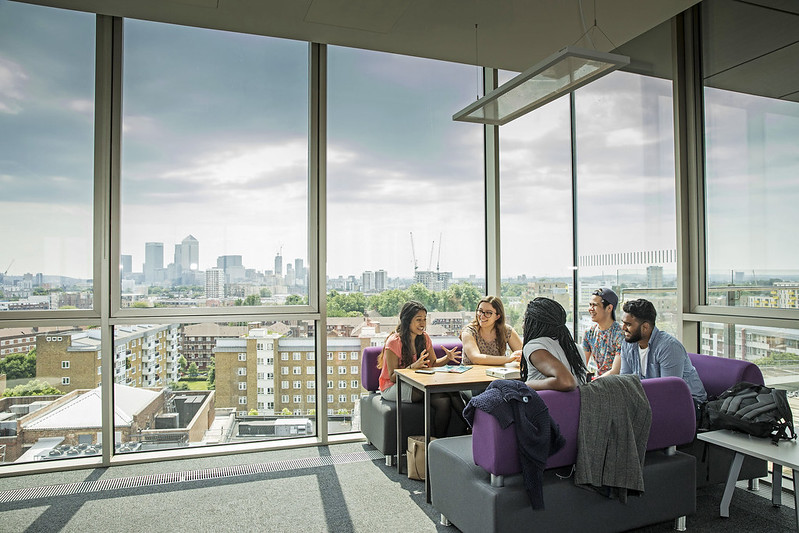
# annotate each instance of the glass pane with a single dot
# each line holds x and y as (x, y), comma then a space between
(626, 214)
(751, 196)
(51, 400)
(535, 207)
(46, 157)
(179, 385)
(774, 350)
(405, 200)
(214, 168)
(751, 135)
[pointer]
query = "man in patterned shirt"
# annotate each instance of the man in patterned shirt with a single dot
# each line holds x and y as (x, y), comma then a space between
(603, 341)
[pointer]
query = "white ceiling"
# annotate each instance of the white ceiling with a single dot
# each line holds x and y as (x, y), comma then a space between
(510, 34)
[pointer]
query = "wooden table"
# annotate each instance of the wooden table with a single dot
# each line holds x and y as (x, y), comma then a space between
(786, 454)
(474, 378)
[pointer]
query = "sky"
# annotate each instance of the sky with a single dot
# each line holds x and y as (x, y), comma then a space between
(214, 145)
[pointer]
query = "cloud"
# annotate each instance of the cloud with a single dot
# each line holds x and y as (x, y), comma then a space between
(12, 82)
(82, 105)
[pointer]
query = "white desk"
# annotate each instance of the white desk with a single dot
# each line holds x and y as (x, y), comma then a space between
(785, 454)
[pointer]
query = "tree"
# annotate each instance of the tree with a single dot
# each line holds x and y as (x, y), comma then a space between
(296, 299)
(19, 365)
(140, 305)
(211, 375)
(389, 303)
(285, 412)
(265, 293)
(253, 412)
(35, 387)
(182, 363)
(422, 294)
(179, 385)
(514, 318)
(253, 299)
(461, 296)
(193, 371)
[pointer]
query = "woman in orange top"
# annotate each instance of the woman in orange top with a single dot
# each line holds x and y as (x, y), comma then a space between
(409, 346)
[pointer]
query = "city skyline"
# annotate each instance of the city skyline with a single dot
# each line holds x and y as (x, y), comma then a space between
(179, 178)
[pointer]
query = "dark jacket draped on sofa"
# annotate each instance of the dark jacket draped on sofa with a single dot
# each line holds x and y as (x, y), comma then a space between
(537, 435)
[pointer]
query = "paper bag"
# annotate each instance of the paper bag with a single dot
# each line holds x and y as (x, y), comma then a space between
(416, 456)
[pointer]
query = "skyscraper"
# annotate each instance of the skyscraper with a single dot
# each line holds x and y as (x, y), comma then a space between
(289, 274)
(190, 254)
(368, 281)
(381, 280)
(153, 261)
(299, 272)
(126, 264)
(215, 283)
(278, 264)
(654, 276)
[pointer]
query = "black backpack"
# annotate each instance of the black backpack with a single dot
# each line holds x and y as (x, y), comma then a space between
(754, 409)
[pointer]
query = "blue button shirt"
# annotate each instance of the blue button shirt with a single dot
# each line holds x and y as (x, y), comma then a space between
(666, 357)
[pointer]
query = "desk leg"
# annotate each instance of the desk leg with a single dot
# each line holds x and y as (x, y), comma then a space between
(399, 424)
(732, 477)
(776, 485)
(427, 414)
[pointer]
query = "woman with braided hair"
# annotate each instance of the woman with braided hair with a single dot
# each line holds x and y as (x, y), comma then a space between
(551, 358)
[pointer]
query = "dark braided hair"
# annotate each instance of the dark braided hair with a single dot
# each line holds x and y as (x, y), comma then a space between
(547, 318)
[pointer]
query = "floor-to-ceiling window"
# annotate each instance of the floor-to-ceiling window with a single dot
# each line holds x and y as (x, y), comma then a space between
(405, 206)
(751, 130)
(536, 210)
(626, 217)
(214, 200)
(213, 216)
(46, 158)
(46, 245)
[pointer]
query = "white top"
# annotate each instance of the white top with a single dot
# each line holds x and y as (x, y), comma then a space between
(642, 353)
(550, 345)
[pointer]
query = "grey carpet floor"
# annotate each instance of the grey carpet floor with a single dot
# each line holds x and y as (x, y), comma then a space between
(340, 488)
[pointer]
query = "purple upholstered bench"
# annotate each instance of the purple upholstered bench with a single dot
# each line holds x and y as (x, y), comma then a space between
(476, 480)
(379, 416)
(719, 373)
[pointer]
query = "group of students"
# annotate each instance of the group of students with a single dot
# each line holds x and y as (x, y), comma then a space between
(547, 354)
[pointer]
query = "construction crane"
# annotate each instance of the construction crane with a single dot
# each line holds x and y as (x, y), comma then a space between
(430, 261)
(413, 251)
(9, 266)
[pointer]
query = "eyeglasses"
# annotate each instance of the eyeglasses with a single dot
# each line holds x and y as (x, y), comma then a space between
(488, 314)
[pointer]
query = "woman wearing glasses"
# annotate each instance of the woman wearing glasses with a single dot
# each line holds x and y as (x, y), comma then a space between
(486, 339)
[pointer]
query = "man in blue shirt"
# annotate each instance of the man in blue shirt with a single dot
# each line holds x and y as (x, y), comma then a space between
(652, 353)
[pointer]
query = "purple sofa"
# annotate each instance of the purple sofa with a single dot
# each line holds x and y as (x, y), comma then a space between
(476, 483)
(379, 416)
